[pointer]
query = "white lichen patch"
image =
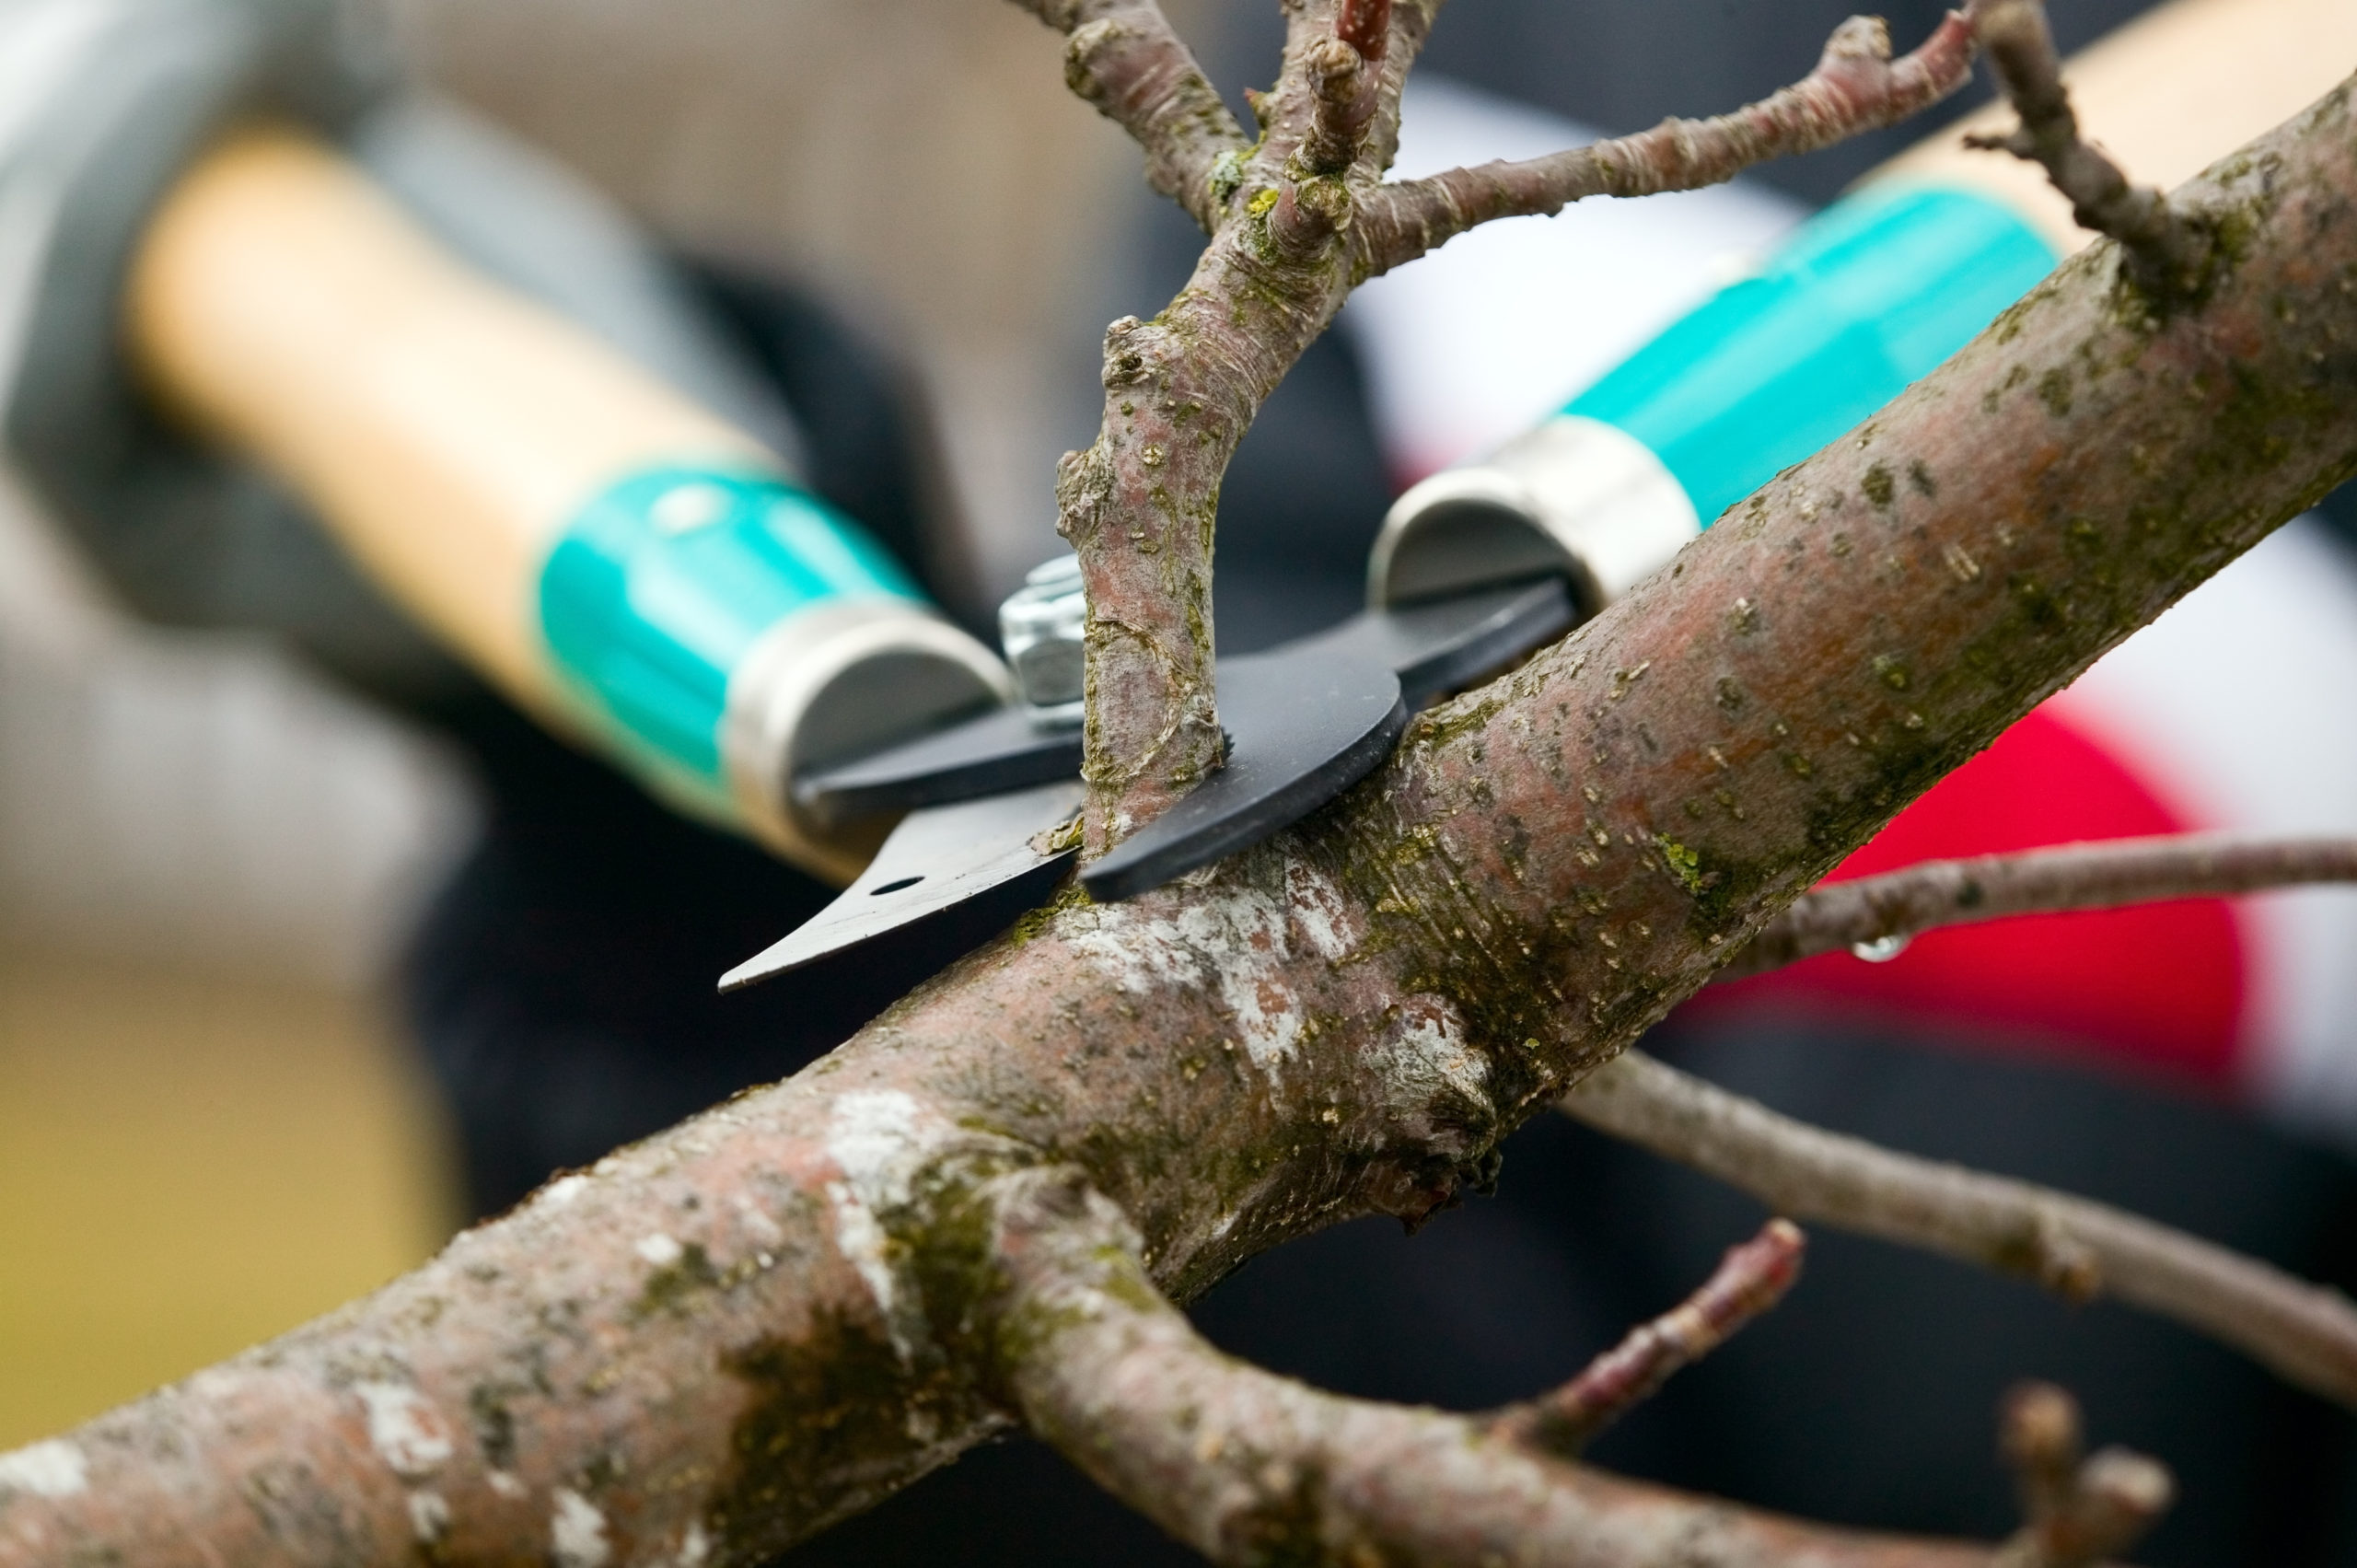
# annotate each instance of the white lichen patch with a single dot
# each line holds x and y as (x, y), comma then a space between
(695, 1548)
(429, 1517)
(53, 1468)
(1241, 944)
(577, 1532)
(659, 1249)
(1424, 1057)
(406, 1431)
(880, 1140)
(506, 1483)
(757, 1221)
(562, 1190)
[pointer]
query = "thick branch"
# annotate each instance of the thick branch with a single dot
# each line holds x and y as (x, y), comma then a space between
(1899, 904)
(1249, 1468)
(1123, 56)
(731, 1334)
(2079, 1248)
(1856, 86)
(2170, 250)
(1751, 1278)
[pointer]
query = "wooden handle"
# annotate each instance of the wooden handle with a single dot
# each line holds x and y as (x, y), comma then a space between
(2168, 95)
(444, 429)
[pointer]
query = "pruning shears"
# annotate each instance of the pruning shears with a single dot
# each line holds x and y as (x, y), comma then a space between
(990, 801)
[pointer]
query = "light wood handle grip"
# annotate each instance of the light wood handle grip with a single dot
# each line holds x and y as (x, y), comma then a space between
(444, 429)
(2166, 95)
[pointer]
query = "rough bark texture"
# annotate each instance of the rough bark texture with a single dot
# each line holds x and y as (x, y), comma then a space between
(1249, 1468)
(1140, 504)
(1123, 56)
(723, 1339)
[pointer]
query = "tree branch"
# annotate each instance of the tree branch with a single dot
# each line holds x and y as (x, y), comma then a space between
(1343, 90)
(1856, 86)
(2080, 1511)
(734, 1333)
(1751, 1278)
(1123, 56)
(2170, 250)
(1249, 1468)
(1897, 905)
(2080, 1250)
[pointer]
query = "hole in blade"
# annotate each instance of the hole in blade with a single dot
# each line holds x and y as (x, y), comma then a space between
(894, 886)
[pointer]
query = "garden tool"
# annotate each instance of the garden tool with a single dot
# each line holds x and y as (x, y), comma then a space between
(1862, 301)
(236, 253)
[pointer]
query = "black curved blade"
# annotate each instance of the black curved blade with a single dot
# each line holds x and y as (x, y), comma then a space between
(991, 754)
(1304, 724)
(947, 880)
(1446, 643)
(1434, 647)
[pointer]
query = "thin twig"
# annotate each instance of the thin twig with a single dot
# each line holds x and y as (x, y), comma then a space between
(2079, 1511)
(1751, 1278)
(2167, 249)
(1856, 86)
(2079, 1248)
(1899, 904)
(1123, 57)
(1247, 1467)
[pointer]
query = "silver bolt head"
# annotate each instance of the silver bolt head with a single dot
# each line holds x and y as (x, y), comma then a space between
(1040, 627)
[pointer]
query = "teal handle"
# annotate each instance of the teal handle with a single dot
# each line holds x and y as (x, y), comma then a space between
(1868, 296)
(661, 585)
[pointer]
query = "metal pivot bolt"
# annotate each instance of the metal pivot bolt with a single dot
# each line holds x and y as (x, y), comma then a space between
(1040, 627)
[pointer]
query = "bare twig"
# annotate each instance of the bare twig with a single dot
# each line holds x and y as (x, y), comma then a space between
(1751, 1278)
(2079, 1511)
(1123, 56)
(2079, 1248)
(2169, 249)
(1247, 1467)
(1855, 86)
(1899, 904)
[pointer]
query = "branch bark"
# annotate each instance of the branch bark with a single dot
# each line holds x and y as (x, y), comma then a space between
(725, 1338)
(1123, 56)
(1249, 1468)
(1904, 903)
(2080, 1250)
(1855, 86)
